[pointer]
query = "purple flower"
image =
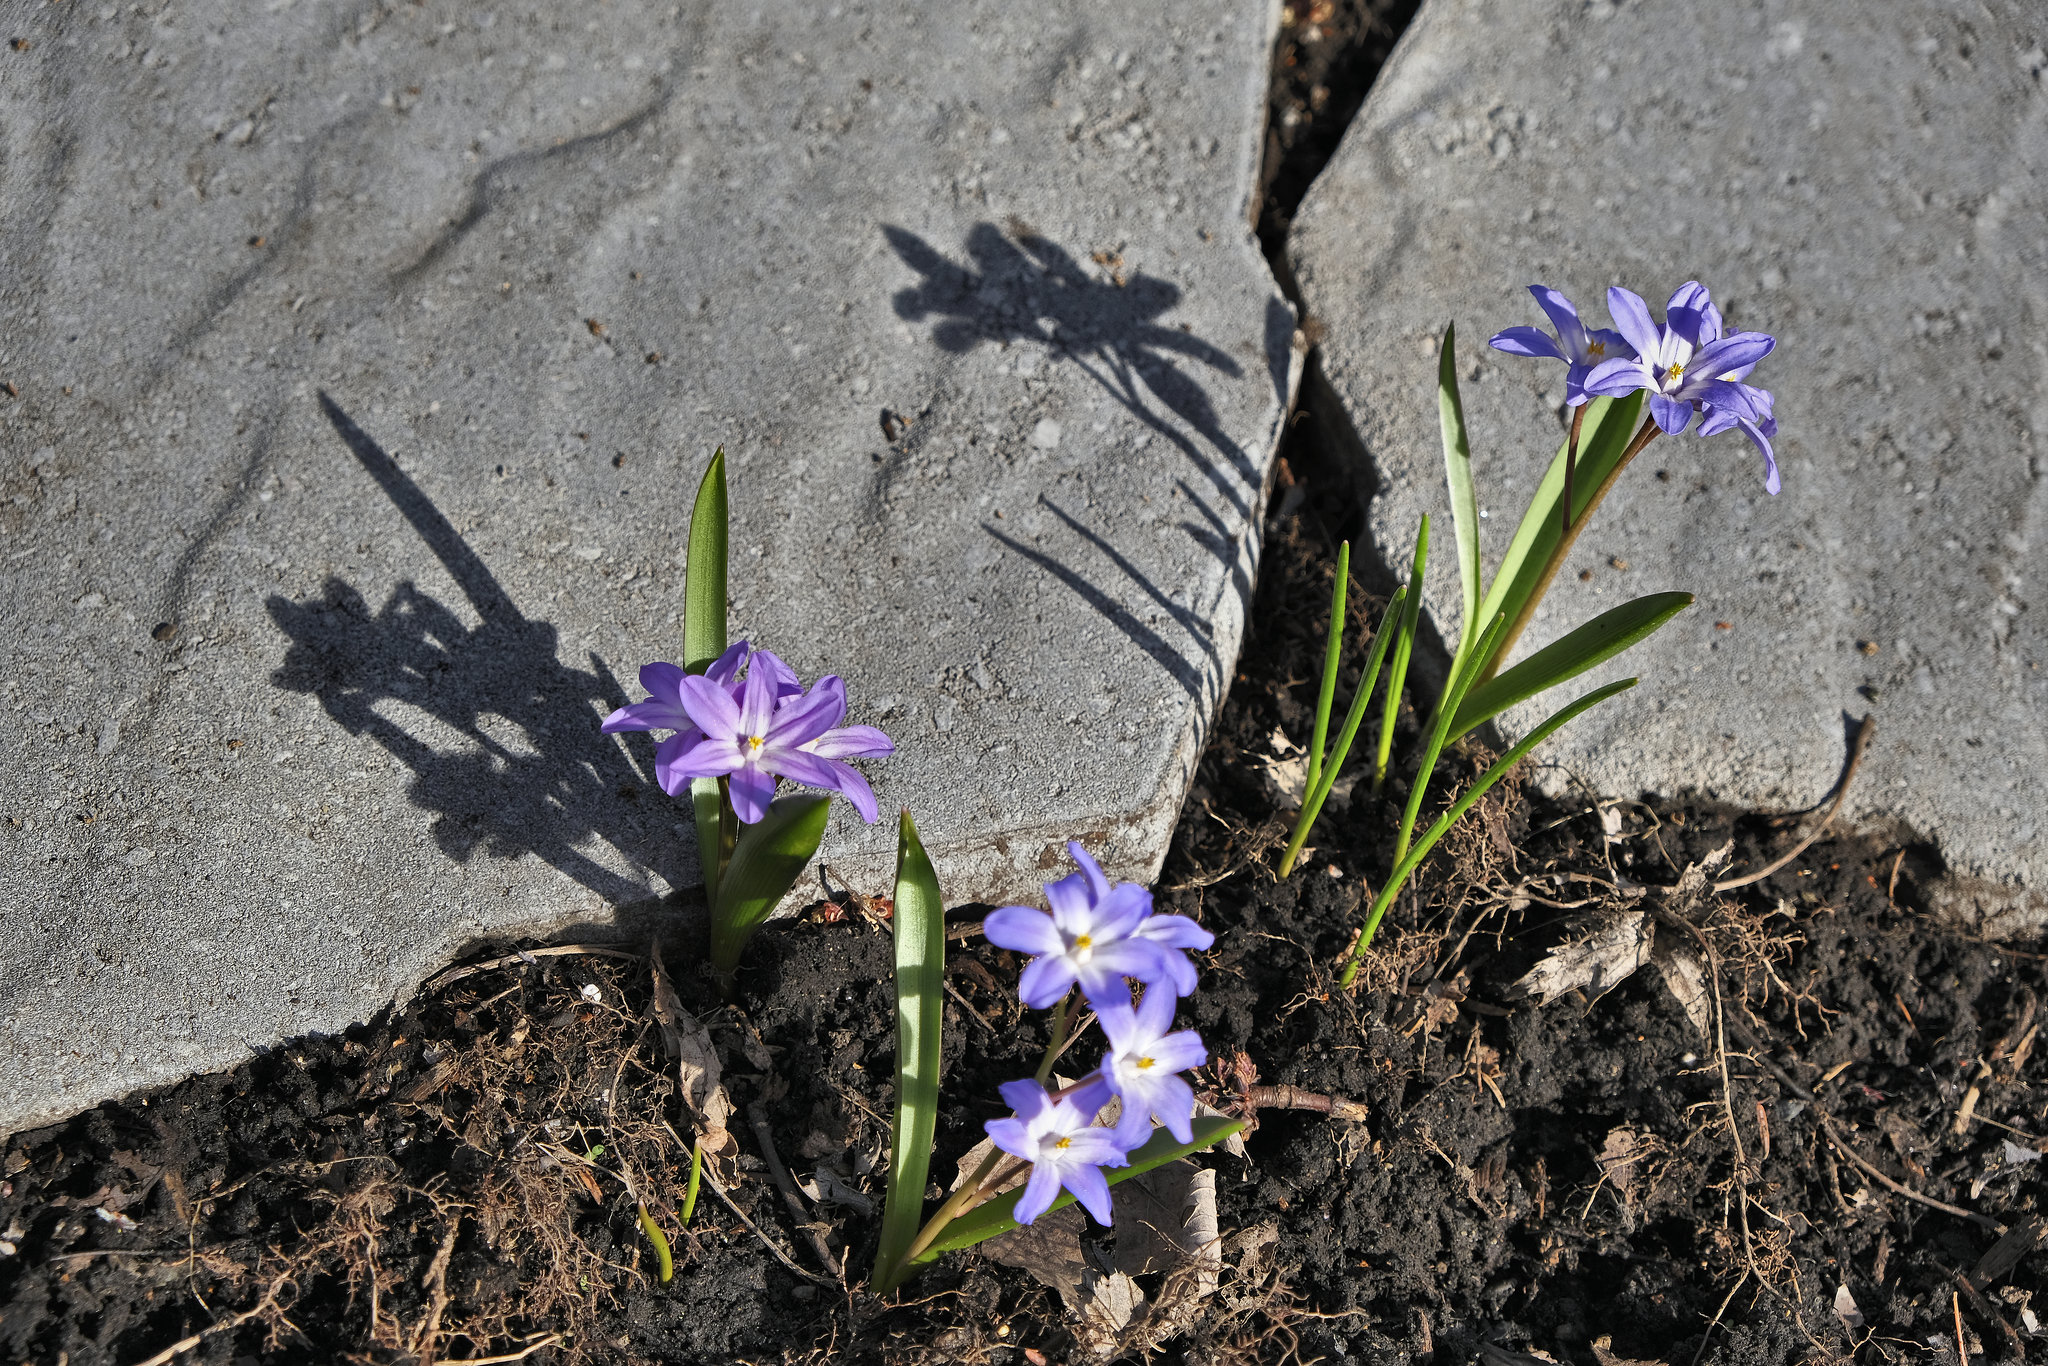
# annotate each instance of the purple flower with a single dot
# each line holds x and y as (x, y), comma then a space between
(1688, 366)
(663, 709)
(1144, 1066)
(1579, 347)
(1096, 935)
(754, 730)
(1059, 1140)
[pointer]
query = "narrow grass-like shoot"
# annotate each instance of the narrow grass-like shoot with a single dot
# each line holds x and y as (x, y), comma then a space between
(1405, 867)
(1464, 675)
(1333, 651)
(920, 933)
(690, 1191)
(1318, 791)
(1404, 646)
(664, 1259)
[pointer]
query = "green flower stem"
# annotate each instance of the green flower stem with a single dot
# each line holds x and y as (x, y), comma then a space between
(1571, 458)
(1060, 1016)
(1644, 435)
(954, 1207)
(1404, 645)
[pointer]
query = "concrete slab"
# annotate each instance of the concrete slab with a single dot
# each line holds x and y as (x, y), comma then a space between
(1864, 181)
(360, 367)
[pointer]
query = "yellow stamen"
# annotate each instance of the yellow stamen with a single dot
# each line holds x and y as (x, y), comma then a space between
(1144, 1063)
(1597, 348)
(1083, 942)
(1064, 1143)
(1675, 373)
(754, 742)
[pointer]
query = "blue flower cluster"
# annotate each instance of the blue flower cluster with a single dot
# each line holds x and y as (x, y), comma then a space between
(1101, 938)
(1685, 363)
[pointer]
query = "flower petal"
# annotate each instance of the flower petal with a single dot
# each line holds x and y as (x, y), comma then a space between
(757, 697)
(1175, 932)
(1671, 414)
(1090, 1188)
(780, 674)
(1013, 1136)
(724, 669)
(1120, 1024)
(851, 742)
(661, 681)
(751, 790)
(1744, 349)
(1180, 1051)
(1526, 341)
(798, 719)
(1073, 908)
(1039, 1193)
(1121, 910)
(1045, 980)
(1022, 930)
(1154, 1016)
(708, 758)
(1617, 378)
(653, 714)
(1028, 1099)
(1632, 319)
(668, 758)
(711, 707)
(1562, 312)
(1763, 446)
(1090, 869)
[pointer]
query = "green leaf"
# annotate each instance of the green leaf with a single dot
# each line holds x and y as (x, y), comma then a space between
(1332, 651)
(1316, 790)
(704, 640)
(770, 856)
(1412, 859)
(1596, 642)
(1603, 436)
(1458, 475)
(920, 929)
(997, 1216)
(1404, 646)
(704, 575)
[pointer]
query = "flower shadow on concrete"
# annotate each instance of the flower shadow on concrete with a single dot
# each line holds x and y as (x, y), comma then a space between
(1022, 287)
(535, 776)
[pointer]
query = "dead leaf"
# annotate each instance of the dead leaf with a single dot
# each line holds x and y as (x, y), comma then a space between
(827, 1187)
(697, 1071)
(1049, 1249)
(1114, 1300)
(1846, 1310)
(1598, 963)
(1618, 1158)
(1686, 980)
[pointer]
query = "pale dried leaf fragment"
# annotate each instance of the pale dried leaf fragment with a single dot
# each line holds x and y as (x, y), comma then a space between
(1596, 964)
(1619, 1155)
(1846, 1310)
(698, 1072)
(1603, 1352)
(1686, 980)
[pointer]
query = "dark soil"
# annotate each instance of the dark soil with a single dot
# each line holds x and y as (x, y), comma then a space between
(1595, 1180)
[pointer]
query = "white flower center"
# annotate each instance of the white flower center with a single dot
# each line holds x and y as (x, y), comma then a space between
(1144, 1063)
(1082, 949)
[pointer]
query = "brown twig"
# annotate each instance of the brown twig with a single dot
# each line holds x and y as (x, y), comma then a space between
(973, 1014)
(757, 1119)
(527, 956)
(542, 1344)
(1864, 730)
(227, 1325)
(436, 1281)
(1871, 1170)
(1295, 1098)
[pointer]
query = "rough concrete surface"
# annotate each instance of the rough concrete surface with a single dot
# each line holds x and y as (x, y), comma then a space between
(362, 361)
(1864, 181)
